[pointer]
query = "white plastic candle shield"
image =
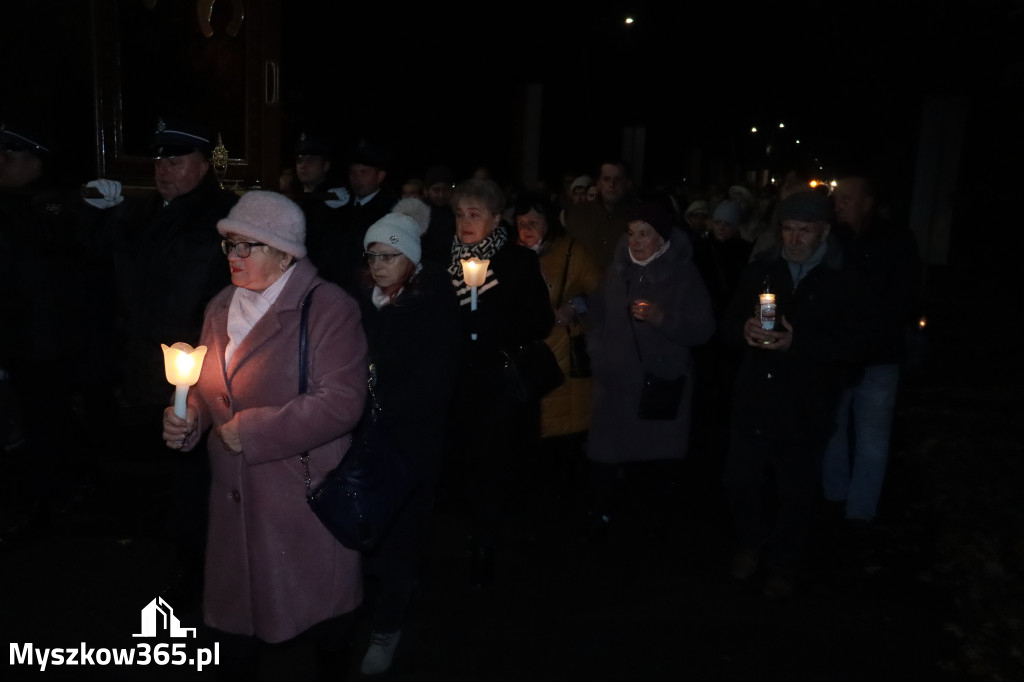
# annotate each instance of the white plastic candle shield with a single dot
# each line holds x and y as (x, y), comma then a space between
(474, 272)
(182, 364)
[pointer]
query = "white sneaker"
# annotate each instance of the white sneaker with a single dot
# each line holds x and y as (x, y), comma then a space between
(382, 649)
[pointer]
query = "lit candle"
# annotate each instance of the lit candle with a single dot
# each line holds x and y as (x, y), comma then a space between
(767, 301)
(182, 364)
(474, 272)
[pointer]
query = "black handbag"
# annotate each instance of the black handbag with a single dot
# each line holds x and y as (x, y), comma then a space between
(532, 371)
(661, 397)
(359, 500)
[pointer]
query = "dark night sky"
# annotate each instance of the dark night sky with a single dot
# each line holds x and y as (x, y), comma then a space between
(842, 76)
(438, 81)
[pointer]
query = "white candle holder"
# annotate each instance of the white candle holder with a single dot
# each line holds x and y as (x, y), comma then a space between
(182, 364)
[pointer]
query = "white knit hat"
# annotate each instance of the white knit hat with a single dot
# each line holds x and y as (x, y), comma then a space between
(401, 228)
(268, 217)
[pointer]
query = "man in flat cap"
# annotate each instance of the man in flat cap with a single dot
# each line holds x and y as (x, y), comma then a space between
(787, 387)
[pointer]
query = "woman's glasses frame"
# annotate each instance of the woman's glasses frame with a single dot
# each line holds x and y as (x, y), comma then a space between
(385, 258)
(241, 249)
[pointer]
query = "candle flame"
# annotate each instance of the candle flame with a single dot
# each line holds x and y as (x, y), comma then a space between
(184, 363)
(474, 271)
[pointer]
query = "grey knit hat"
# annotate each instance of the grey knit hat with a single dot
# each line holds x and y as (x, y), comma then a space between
(807, 207)
(268, 217)
(729, 212)
(401, 229)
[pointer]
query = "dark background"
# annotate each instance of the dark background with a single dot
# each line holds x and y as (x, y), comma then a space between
(446, 80)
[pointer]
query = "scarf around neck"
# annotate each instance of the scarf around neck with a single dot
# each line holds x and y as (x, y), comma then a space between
(799, 270)
(660, 252)
(483, 249)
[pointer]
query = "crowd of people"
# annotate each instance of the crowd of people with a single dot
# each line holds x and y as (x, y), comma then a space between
(649, 303)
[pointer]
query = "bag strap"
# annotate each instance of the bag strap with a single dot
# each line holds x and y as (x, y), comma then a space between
(565, 279)
(303, 355)
(565, 272)
(304, 339)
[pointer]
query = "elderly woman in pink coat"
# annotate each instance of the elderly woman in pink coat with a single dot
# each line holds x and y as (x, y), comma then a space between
(273, 571)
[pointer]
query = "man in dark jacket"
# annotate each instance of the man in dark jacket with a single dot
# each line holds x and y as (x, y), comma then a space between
(166, 264)
(371, 200)
(322, 204)
(48, 339)
(599, 224)
(884, 258)
(786, 388)
(166, 258)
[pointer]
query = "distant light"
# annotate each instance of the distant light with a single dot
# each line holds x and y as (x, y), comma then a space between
(798, 141)
(629, 20)
(782, 125)
(753, 130)
(814, 183)
(833, 184)
(922, 323)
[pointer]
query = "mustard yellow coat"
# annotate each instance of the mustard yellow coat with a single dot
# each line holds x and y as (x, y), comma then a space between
(567, 408)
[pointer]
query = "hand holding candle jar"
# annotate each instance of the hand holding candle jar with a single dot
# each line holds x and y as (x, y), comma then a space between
(182, 364)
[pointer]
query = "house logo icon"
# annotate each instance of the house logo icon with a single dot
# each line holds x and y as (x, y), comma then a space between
(158, 617)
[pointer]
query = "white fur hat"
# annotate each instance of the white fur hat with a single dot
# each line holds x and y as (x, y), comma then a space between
(270, 218)
(401, 228)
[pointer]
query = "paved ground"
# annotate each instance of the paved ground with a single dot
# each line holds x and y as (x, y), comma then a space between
(635, 608)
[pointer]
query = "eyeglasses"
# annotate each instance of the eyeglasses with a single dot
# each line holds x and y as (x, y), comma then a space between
(385, 258)
(241, 249)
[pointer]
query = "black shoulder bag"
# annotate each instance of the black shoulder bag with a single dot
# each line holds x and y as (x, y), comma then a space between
(359, 500)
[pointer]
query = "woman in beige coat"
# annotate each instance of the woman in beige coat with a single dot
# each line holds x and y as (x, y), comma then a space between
(571, 275)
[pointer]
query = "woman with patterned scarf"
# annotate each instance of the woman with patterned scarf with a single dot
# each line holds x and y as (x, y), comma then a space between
(491, 425)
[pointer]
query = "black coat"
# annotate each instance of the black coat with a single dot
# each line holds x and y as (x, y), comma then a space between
(167, 265)
(341, 267)
(415, 345)
(885, 261)
(512, 313)
(792, 394)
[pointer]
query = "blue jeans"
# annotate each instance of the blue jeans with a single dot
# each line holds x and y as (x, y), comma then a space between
(855, 459)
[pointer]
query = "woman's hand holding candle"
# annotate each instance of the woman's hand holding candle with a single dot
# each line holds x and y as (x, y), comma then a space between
(176, 429)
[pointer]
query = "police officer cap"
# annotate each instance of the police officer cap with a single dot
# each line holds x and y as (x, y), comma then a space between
(368, 153)
(311, 144)
(177, 137)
